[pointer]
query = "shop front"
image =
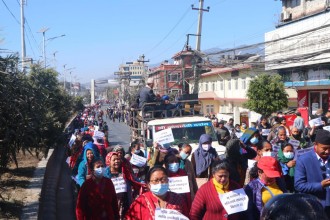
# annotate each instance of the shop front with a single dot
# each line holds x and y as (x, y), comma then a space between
(314, 99)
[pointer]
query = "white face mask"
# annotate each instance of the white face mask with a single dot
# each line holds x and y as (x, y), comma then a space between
(268, 154)
(206, 147)
(288, 155)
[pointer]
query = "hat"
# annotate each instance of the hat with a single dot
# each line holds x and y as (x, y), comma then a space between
(322, 137)
(150, 81)
(165, 97)
(269, 166)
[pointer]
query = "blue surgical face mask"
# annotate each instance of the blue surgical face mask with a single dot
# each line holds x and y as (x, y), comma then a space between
(98, 172)
(173, 167)
(183, 155)
(159, 189)
(254, 140)
(288, 155)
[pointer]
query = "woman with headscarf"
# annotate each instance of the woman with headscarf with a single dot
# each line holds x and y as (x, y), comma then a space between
(203, 158)
(97, 197)
(85, 168)
(237, 155)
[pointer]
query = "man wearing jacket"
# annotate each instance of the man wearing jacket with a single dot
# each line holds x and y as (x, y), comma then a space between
(312, 174)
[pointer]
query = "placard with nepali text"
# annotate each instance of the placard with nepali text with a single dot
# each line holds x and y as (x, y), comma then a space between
(300, 152)
(164, 214)
(119, 184)
(164, 136)
(295, 143)
(179, 184)
(234, 201)
(138, 160)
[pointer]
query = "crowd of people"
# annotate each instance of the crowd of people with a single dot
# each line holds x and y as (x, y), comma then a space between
(271, 162)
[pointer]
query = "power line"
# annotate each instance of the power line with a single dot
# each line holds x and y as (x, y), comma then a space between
(10, 12)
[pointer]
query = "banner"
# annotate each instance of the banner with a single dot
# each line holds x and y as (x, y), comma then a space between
(179, 184)
(138, 160)
(234, 201)
(162, 214)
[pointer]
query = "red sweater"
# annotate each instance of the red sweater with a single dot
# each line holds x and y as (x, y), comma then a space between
(207, 205)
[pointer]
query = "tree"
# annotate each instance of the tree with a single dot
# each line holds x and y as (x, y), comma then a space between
(266, 94)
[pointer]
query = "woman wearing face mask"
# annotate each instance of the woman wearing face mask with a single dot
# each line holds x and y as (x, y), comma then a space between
(144, 207)
(121, 178)
(237, 155)
(207, 204)
(186, 165)
(203, 158)
(135, 149)
(97, 197)
(262, 189)
(285, 157)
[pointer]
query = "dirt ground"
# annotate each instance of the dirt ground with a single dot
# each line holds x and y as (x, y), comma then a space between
(13, 184)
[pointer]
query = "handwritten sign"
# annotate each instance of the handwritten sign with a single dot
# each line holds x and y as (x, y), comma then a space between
(315, 122)
(120, 184)
(138, 160)
(179, 184)
(164, 137)
(300, 152)
(72, 140)
(295, 143)
(265, 132)
(98, 134)
(162, 214)
(234, 201)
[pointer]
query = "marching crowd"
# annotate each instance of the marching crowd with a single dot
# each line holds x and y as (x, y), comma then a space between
(283, 172)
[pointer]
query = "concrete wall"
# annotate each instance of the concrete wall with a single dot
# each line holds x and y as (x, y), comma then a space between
(301, 8)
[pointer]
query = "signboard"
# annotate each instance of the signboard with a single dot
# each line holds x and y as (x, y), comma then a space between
(315, 122)
(120, 184)
(138, 160)
(183, 125)
(234, 201)
(164, 136)
(162, 214)
(301, 43)
(179, 184)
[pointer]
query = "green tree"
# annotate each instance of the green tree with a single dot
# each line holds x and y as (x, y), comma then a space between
(266, 94)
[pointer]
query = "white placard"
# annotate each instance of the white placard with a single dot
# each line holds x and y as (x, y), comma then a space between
(238, 134)
(295, 143)
(315, 122)
(234, 201)
(276, 148)
(96, 128)
(164, 136)
(72, 140)
(138, 160)
(265, 132)
(120, 184)
(251, 163)
(179, 184)
(98, 134)
(326, 128)
(162, 214)
(300, 152)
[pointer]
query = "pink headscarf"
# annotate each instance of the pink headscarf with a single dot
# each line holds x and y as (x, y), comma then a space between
(108, 157)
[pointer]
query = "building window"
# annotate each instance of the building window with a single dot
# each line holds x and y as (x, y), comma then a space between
(236, 84)
(221, 85)
(222, 109)
(243, 84)
(229, 84)
(174, 77)
(209, 108)
(206, 87)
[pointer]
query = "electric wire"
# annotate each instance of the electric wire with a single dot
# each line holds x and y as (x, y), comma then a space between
(10, 12)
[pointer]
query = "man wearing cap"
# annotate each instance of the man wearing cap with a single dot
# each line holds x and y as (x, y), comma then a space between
(147, 95)
(267, 185)
(312, 174)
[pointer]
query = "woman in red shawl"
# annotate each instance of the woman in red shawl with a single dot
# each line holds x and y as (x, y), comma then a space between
(97, 197)
(147, 204)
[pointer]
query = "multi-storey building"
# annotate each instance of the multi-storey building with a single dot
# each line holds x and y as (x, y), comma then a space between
(299, 49)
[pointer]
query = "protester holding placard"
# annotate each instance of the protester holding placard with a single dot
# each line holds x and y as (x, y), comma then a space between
(262, 189)
(157, 198)
(186, 164)
(286, 158)
(122, 179)
(264, 128)
(312, 174)
(172, 164)
(207, 204)
(97, 197)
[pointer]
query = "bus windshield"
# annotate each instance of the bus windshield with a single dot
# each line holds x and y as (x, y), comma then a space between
(189, 132)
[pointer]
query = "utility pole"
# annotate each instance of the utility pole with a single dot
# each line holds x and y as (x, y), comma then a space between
(43, 31)
(200, 21)
(64, 77)
(144, 70)
(23, 34)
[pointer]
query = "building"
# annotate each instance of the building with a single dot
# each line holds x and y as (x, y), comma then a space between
(172, 78)
(299, 50)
